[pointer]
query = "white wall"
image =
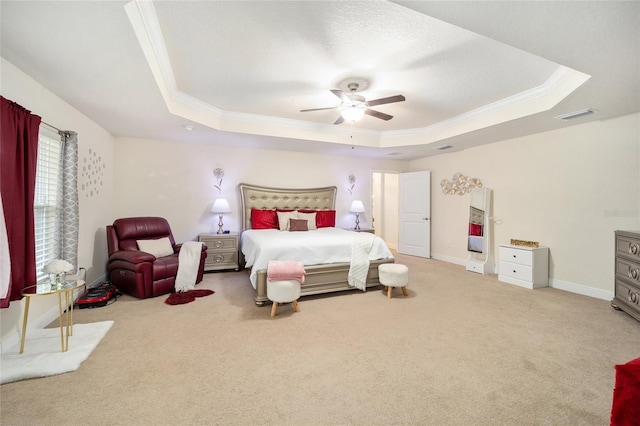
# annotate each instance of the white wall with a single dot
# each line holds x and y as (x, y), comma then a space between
(95, 149)
(568, 189)
(176, 181)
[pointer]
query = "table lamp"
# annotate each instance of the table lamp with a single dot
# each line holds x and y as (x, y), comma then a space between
(357, 207)
(221, 205)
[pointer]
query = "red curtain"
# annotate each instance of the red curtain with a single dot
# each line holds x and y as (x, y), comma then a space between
(18, 161)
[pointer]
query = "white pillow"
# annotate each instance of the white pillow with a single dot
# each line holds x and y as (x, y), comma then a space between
(159, 248)
(310, 218)
(283, 219)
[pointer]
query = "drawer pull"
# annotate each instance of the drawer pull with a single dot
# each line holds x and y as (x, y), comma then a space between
(634, 249)
(219, 258)
(218, 243)
(633, 273)
(633, 297)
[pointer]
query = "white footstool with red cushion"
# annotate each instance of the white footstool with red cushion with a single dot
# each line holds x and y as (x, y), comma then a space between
(393, 275)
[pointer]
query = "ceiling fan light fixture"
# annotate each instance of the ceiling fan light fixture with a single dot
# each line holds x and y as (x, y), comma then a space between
(353, 111)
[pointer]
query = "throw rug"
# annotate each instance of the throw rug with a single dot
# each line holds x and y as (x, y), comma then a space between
(180, 298)
(42, 356)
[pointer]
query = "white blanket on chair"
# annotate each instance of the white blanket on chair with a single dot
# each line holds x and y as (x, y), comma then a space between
(359, 267)
(188, 265)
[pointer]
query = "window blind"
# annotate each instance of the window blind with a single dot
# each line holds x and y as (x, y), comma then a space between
(47, 199)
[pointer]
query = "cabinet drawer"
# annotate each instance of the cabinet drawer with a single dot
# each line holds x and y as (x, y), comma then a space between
(627, 269)
(628, 293)
(628, 247)
(218, 258)
(513, 255)
(515, 270)
(217, 244)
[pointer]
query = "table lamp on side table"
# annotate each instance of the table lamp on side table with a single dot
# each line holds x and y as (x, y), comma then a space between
(221, 205)
(357, 207)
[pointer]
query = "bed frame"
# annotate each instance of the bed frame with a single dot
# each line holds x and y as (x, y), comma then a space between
(319, 279)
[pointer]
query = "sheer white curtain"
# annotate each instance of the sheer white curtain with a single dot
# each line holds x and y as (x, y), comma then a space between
(5, 261)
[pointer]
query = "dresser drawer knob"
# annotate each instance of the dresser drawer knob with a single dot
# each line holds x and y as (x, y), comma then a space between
(633, 273)
(219, 258)
(633, 297)
(634, 249)
(218, 243)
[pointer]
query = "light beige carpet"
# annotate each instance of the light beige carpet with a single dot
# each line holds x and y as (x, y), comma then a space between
(462, 349)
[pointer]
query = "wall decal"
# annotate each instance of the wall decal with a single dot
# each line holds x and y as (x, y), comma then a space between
(91, 174)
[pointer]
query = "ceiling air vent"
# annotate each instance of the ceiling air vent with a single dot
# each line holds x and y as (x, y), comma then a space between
(575, 114)
(443, 147)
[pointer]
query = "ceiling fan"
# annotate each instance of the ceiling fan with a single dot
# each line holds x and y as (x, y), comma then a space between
(353, 106)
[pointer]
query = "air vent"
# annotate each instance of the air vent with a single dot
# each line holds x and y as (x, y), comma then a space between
(575, 114)
(443, 147)
(394, 153)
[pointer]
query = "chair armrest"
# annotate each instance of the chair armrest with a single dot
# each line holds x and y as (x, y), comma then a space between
(132, 256)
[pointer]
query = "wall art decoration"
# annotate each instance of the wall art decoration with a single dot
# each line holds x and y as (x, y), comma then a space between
(218, 173)
(91, 174)
(352, 183)
(459, 184)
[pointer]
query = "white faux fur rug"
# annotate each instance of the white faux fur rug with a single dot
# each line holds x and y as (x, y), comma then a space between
(42, 356)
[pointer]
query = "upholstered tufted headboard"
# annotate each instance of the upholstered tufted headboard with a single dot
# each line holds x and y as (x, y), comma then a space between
(260, 197)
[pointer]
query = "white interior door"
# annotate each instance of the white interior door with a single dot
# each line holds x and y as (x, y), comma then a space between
(414, 204)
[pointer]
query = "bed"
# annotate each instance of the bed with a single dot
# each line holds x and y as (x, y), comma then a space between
(322, 276)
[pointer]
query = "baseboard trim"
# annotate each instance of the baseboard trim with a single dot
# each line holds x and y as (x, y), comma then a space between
(449, 259)
(557, 284)
(581, 289)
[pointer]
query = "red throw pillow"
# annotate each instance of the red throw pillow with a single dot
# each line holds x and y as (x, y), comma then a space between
(264, 219)
(298, 225)
(324, 218)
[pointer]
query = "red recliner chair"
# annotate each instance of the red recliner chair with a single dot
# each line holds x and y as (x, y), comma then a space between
(136, 272)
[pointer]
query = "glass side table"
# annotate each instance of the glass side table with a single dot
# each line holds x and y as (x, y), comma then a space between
(65, 317)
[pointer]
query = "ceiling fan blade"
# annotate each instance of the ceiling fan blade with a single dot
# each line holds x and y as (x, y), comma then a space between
(340, 120)
(317, 109)
(343, 96)
(389, 100)
(378, 114)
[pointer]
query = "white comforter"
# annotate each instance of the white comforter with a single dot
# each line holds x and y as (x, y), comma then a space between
(324, 245)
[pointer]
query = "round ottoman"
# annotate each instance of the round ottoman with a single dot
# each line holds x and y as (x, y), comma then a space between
(393, 275)
(285, 291)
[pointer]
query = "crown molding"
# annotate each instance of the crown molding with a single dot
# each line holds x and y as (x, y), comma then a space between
(144, 20)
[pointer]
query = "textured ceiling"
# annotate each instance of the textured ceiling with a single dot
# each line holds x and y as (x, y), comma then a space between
(240, 72)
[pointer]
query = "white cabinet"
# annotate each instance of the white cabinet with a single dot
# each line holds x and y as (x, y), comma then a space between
(524, 266)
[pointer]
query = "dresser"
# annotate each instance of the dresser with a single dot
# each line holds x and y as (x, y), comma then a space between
(524, 266)
(222, 251)
(627, 273)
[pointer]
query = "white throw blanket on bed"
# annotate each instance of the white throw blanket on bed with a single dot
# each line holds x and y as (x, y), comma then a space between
(188, 265)
(359, 267)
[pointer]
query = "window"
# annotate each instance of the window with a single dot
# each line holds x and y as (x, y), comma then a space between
(47, 200)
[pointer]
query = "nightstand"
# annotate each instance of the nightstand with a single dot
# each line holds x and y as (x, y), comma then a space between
(524, 266)
(369, 230)
(222, 251)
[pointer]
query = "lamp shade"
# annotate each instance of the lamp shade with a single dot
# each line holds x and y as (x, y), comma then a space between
(352, 111)
(221, 205)
(357, 207)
